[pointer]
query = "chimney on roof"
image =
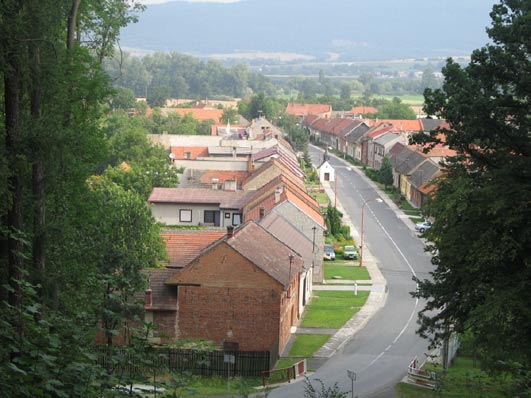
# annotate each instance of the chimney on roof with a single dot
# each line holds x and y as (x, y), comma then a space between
(230, 231)
(148, 301)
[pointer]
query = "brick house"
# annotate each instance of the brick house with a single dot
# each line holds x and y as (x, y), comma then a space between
(243, 288)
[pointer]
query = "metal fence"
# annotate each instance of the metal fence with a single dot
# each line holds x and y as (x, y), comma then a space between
(213, 363)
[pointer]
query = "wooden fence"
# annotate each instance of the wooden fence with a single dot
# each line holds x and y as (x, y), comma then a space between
(213, 363)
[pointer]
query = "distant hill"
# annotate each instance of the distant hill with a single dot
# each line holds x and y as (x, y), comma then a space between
(353, 29)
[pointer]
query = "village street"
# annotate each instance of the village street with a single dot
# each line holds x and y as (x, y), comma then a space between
(379, 354)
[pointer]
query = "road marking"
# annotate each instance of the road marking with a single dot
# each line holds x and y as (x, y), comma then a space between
(414, 311)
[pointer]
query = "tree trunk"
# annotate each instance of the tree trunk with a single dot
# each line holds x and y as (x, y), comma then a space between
(72, 25)
(12, 96)
(38, 187)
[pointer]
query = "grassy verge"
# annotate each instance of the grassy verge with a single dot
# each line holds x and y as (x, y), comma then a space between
(321, 198)
(463, 380)
(198, 386)
(306, 344)
(331, 309)
(349, 272)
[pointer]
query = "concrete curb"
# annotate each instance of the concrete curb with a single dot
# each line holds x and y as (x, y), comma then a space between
(375, 301)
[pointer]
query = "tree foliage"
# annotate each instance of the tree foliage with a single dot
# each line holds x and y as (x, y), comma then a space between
(385, 174)
(163, 75)
(63, 243)
(481, 235)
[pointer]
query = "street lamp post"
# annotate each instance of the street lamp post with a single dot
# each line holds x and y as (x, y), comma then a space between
(363, 225)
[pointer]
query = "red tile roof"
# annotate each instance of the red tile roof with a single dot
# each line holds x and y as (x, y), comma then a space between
(223, 175)
(258, 246)
(378, 131)
(309, 120)
(337, 126)
(183, 246)
(430, 187)
(398, 124)
(195, 152)
(225, 199)
(439, 151)
(265, 198)
(199, 114)
(363, 110)
(308, 109)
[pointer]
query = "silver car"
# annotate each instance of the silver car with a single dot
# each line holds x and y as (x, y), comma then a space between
(329, 253)
(423, 226)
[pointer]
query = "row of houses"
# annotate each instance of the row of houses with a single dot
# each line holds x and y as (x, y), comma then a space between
(369, 141)
(244, 247)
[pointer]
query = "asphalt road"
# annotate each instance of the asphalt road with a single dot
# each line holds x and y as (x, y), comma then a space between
(381, 352)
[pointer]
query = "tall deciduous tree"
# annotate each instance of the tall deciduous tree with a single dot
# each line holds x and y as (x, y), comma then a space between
(482, 233)
(53, 92)
(385, 174)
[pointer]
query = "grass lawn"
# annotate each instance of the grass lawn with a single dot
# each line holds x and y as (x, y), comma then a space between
(331, 309)
(198, 386)
(406, 206)
(410, 99)
(463, 380)
(306, 344)
(352, 272)
(321, 197)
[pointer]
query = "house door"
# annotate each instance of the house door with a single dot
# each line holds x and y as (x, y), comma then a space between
(327, 176)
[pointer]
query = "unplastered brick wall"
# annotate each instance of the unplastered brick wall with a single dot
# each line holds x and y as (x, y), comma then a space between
(165, 322)
(236, 301)
(247, 316)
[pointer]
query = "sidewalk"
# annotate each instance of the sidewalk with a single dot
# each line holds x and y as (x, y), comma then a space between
(376, 300)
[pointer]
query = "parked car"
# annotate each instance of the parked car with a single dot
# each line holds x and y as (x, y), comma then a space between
(350, 252)
(423, 226)
(329, 253)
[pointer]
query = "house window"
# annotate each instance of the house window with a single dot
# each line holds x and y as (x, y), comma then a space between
(209, 216)
(188, 155)
(262, 212)
(236, 219)
(185, 215)
(212, 217)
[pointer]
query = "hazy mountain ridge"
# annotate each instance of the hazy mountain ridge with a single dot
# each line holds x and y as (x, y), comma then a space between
(378, 29)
